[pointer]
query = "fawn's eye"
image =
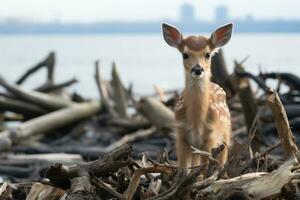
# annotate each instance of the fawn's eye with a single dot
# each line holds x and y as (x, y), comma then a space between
(185, 56)
(207, 55)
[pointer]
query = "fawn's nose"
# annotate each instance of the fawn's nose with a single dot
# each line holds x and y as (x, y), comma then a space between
(197, 70)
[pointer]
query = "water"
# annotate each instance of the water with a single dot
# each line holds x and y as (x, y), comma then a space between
(144, 60)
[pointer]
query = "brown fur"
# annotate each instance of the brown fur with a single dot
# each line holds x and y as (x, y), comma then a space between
(202, 115)
(202, 122)
(195, 43)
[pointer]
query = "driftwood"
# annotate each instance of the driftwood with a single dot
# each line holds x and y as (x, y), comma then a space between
(220, 73)
(166, 169)
(257, 79)
(291, 80)
(129, 124)
(61, 175)
(48, 62)
(283, 128)
(261, 185)
(20, 166)
(44, 192)
(5, 191)
(58, 86)
(292, 111)
(181, 189)
(8, 117)
(104, 92)
(49, 85)
(248, 104)
(119, 94)
(48, 123)
(120, 172)
(157, 113)
(86, 152)
(27, 109)
(42, 158)
(140, 134)
(41, 99)
(254, 185)
(160, 93)
(81, 188)
(16, 171)
(75, 133)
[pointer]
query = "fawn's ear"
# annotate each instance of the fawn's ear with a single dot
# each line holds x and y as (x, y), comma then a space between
(221, 36)
(172, 35)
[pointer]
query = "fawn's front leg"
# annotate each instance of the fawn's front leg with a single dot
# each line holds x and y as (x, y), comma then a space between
(223, 156)
(207, 141)
(196, 142)
(183, 149)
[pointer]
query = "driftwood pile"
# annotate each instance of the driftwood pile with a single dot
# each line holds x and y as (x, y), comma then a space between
(56, 145)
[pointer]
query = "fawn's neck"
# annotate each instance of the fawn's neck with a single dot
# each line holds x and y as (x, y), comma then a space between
(196, 97)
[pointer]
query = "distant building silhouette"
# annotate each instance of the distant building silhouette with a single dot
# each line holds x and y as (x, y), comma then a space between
(187, 14)
(249, 18)
(221, 14)
(187, 21)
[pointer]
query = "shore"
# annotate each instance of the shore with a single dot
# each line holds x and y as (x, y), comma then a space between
(63, 145)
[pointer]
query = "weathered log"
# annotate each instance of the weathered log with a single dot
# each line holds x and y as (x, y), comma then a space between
(106, 187)
(78, 98)
(282, 124)
(256, 157)
(104, 92)
(75, 132)
(271, 129)
(205, 154)
(248, 104)
(258, 185)
(119, 94)
(23, 166)
(220, 73)
(157, 113)
(53, 87)
(81, 188)
(129, 124)
(6, 190)
(128, 195)
(41, 99)
(207, 182)
(60, 175)
(181, 189)
(10, 117)
(292, 111)
(27, 109)
(86, 152)
(257, 79)
(49, 122)
(291, 80)
(39, 191)
(48, 158)
(140, 134)
(160, 93)
(48, 62)
(16, 171)
(239, 152)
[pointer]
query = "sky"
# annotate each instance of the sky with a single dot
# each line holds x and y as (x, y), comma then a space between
(141, 10)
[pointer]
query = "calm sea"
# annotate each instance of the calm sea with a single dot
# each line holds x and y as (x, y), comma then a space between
(144, 60)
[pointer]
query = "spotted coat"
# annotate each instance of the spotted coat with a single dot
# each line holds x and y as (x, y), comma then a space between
(217, 108)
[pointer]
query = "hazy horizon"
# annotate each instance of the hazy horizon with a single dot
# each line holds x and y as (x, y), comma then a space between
(134, 10)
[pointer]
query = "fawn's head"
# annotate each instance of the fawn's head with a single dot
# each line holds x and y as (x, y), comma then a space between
(197, 50)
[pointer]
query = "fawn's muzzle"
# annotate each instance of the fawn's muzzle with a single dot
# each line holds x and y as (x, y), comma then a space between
(197, 71)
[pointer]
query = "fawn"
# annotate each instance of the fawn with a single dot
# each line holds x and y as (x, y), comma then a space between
(201, 112)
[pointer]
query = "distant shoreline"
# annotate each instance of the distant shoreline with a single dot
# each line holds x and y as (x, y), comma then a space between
(126, 33)
(240, 26)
